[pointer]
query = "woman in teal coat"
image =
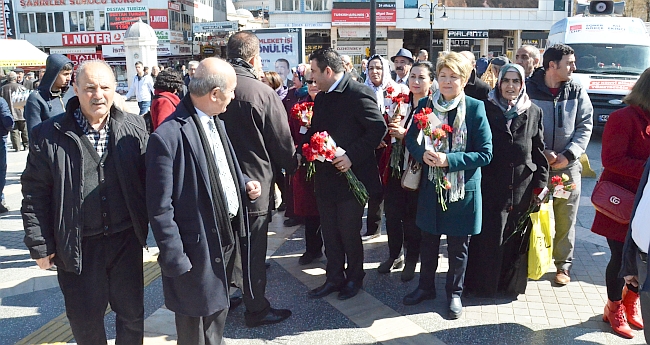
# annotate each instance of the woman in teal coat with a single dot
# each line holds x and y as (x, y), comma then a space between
(449, 202)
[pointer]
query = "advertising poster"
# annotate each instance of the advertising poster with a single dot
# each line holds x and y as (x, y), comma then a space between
(281, 49)
(492, 3)
(121, 18)
(358, 14)
(158, 18)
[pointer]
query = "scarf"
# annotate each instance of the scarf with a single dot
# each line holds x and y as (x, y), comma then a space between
(511, 109)
(243, 64)
(385, 82)
(302, 92)
(441, 109)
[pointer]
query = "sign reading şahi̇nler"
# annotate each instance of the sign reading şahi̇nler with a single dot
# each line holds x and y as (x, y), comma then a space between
(280, 47)
(492, 3)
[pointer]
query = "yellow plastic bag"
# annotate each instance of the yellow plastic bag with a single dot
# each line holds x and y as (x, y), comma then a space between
(540, 252)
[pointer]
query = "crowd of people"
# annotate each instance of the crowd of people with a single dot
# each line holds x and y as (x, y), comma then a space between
(480, 152)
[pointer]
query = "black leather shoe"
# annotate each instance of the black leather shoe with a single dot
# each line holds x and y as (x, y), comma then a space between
(409, 271)
(349, 290)
(455, 308)
(324, 290)
(308, 258)
(274, 316)
(235, 302)
(290, 222)
(418, 296)
(389, 264)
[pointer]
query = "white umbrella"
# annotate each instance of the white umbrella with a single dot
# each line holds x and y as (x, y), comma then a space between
(20, 53)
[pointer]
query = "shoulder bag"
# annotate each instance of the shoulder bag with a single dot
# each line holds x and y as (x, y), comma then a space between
(613, 201)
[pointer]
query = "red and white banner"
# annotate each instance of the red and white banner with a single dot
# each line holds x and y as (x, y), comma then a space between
(79, 58)
(158, 18)
(86, 39)
(361, 17)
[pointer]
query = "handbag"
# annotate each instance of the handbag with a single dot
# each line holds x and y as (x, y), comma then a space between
(540, 253)
(613, 201)
(411, 177)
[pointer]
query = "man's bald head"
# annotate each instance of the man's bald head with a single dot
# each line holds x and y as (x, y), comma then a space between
(94, 67)
(469, 56)
(213, 86)
(95, 89)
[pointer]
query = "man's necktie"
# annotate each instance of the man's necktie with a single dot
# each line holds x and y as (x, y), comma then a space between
(227, 182)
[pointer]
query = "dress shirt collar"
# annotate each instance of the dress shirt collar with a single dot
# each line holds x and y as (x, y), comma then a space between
(336, 83)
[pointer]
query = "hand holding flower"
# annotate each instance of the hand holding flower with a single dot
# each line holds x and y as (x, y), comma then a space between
(342, 163)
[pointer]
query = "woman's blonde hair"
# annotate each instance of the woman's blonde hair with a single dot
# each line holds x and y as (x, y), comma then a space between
(640, 94)
(455, 62)
(273, 78)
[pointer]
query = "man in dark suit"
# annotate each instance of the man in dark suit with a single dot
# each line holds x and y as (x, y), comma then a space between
(197, 199)
(635, 268)
(257, 124)
(348, 112)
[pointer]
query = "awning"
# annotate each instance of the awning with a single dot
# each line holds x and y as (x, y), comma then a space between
(20, 53)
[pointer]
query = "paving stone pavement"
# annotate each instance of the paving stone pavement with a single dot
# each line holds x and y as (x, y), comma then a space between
(546, 314)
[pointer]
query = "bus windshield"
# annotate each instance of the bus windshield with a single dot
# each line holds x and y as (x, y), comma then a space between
(611, 58)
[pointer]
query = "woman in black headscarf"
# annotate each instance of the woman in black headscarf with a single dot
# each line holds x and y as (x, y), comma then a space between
(498, 260)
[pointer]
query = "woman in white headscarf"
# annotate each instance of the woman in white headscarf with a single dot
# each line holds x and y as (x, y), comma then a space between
(380, 82)
(498, 256)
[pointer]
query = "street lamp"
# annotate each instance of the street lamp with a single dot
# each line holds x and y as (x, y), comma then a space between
(432, 9)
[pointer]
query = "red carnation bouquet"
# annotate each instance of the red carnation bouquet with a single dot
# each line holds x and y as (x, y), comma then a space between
(303, 112)
(398, 103)
(435, 138)
(322, 147)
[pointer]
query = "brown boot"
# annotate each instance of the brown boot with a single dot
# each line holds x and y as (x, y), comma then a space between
(632, 308)
(615, 315)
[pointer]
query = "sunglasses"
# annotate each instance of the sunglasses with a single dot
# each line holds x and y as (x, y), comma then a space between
(309, 82)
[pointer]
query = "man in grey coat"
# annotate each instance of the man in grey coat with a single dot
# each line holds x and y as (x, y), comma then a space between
(567, 123)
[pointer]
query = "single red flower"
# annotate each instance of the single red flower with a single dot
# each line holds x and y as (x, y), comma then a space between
(390, 90)
(447, 128)
(556, 180)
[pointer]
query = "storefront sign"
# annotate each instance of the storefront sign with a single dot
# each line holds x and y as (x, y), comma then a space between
(176, 37)
(215, 27)
(304, 25)
(86, 39)
(173, 6)
(439, 42)
(207, 50)
(382, 32)
(163, 50)
(158, 18)
(360, 50)
(122, 20)
(358, 14)
(474, 34)
(179, 49)
(277, 45)
(117, 37)
(310, 48)
(113, 51)
(43, 3)
(163, 36)
(79, 58)
(494, 3)
(9, 25)
(77, 50)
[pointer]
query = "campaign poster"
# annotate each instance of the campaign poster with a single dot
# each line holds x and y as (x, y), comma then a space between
(281, 49)
(493, 3)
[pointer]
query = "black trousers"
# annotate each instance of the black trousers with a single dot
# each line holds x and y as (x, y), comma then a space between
(19, 134)
(612, 281)
(111, 273)
(257, 306)
(341, 226)
(313, 235)
(206, 330)
(457, 249)
(401, 208)
(375, 210)
(642, 269)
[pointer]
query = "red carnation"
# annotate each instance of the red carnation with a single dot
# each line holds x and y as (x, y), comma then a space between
(447, 128)
(390, 90)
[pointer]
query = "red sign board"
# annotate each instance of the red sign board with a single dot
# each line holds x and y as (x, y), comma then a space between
(86, 39)
(79, 58)
(174, 6)
(359, 16)
(158, 19)
(123, 20)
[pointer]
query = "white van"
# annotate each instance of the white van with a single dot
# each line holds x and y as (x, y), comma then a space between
(611, 53)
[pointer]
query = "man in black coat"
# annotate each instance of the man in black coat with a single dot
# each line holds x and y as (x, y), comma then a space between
(84, 207)
(197, 199)
(475, 87)
(257, 125)
(348, 112)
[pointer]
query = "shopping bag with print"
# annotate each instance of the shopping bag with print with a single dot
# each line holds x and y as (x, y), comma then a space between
(540, 253)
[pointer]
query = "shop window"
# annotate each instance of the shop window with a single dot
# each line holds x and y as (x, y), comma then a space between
(23, 23)
(41, 22)
(317, 5)
(90, 21)
(58, 22)
(286, 5)
(102, 21)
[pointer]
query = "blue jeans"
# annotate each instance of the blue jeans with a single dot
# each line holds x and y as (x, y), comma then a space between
(3, 166)
(144, 107)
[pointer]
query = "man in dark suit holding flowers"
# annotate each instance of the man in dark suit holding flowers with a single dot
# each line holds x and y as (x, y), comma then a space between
(348, 112)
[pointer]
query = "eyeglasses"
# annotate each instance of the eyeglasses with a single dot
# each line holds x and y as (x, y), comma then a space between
(309, 82)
